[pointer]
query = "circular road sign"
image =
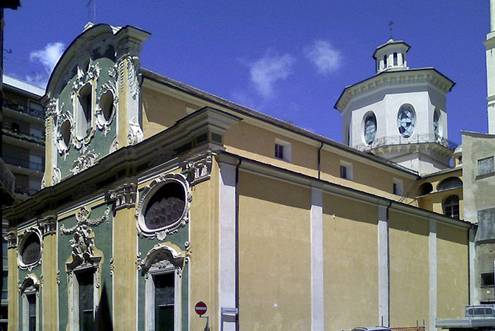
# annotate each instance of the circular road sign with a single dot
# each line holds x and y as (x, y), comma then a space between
(200, 308)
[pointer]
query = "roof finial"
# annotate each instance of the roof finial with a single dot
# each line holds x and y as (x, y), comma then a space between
(390, 29)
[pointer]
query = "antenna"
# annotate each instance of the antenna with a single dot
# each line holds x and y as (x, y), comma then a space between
(390, 28)
(92, 10)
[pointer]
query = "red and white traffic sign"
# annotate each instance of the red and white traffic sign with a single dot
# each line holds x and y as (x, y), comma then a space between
(200, 308)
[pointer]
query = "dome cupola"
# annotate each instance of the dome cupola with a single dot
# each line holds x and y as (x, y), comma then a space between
(391, 55)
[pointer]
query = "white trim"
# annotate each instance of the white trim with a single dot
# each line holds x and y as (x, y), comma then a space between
(25, 308)
(349, 171)
(149, 308)
(473, 291)
(287, 150)
(432, 267)
(400, 186)
(73, 292)
(317, 276)
(383, 268)
(227, 244)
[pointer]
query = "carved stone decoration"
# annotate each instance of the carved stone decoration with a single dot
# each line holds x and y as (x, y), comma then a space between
(161, 256)
(11, 238)
(123, 196)
(83, 218)
(112, 267)
(84, 161)
(198, 168)
(51, 109)
(135, 134)
(114, 146)
(48, 225)
(82, 245)
(57, 176)
(31, 280)
(147, 196)
(133, 75)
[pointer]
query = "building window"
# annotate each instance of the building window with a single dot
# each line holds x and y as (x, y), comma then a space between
(485, 166)
(346, 170)
(30, 308)
(385, 61)
(162, 269)
(85, 280)
(487, 279)
(396, 61)
(283, 150)
(398, 187)
(449, 183)
(84, 111)
(451, 206)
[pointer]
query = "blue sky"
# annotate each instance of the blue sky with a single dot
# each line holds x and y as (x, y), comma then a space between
(289, 59)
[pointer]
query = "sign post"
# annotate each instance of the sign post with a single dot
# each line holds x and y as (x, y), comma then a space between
(200, 308)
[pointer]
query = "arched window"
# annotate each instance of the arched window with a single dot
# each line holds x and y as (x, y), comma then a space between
(425, 188)
(84, 111)
(451, 206)
(30, 303)
(449, 183)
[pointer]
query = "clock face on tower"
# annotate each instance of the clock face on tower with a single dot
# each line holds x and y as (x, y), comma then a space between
(406, 119)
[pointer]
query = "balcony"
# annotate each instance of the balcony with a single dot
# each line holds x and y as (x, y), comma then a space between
(32, 165)
(40, 114)
(415, 139)
(33, 138)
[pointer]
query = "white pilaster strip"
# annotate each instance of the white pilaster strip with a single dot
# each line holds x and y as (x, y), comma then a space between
(432, 267)
(383, 268)
(227, 246)
(473, 294)
(317, 280)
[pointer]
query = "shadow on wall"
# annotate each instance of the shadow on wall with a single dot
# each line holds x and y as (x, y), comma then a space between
(103, 319)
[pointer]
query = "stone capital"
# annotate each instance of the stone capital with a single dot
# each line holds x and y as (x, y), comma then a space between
(123, 196)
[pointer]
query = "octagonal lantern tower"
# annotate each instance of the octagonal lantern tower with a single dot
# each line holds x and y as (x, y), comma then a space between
(399, 113)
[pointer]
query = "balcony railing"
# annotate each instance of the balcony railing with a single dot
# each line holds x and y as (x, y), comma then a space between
(400, 140)
(24, 109)
(33, 165)
(36, 138)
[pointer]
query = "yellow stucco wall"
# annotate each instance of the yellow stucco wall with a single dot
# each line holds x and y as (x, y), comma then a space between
(13, 291)
(204, 249)
(408, 245)
(161, 111)
(49, 293)
(452, 271)
(259, 144)
(350, 263)
(274, 239)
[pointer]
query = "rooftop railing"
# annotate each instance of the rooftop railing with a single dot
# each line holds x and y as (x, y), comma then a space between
(400, 140)
(37, 138)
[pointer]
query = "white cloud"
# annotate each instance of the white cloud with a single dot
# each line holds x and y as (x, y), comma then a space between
(48, 57)
(265, 72)
(324, 56)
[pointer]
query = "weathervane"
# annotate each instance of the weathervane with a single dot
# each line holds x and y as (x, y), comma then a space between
(390, 28)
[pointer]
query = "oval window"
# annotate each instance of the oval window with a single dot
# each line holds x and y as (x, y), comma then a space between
(406, 119)
(31, 249)
(65, 133)
(369, 128)
(106, 104)
(166, 207)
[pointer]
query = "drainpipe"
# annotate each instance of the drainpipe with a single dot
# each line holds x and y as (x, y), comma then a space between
(237, 242)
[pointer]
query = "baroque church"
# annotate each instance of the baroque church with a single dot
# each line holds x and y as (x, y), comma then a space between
(157, 195)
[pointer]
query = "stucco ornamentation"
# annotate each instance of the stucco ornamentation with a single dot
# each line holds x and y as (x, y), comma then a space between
(31, 280)
(51, 109)
(145, 196)
(48, 225)
(11, 238)
(198, 168)
(84, 161)
(23, 240)
(135, 134)
(83, 218)
(57, 176)
(123, 196)
(161, 256)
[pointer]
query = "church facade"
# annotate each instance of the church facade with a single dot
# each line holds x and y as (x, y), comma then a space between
(158, 195)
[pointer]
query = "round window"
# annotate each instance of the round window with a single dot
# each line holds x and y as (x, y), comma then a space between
(406, 119)
(369, 128)
(436, 123)
(106, 104)
(166, 207)
(31, 249)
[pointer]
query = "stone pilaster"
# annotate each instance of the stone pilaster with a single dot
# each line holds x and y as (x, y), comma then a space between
(48, 228)
(13, 290)
(50, 142)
